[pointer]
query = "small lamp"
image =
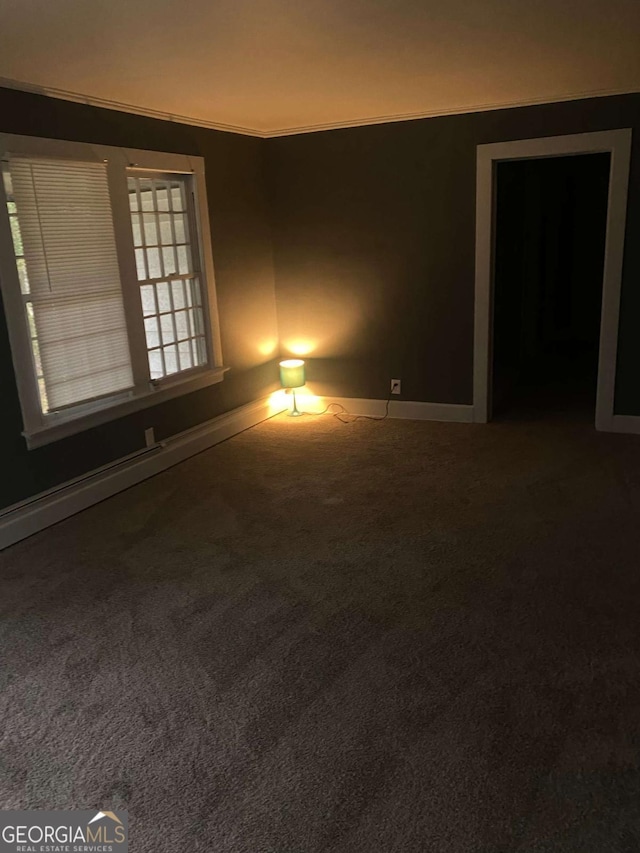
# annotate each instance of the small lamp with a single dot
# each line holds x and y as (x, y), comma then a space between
(292, 376)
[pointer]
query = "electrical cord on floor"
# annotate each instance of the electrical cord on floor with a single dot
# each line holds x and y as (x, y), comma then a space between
(349, 417)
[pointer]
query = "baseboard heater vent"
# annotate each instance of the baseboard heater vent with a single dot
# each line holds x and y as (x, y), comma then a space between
(46, 508)
(83, 479)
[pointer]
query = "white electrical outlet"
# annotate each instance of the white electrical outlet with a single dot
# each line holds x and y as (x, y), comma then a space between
(396, 386)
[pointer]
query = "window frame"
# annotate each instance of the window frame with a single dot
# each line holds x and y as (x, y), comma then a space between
(42, 428)
(198, 272)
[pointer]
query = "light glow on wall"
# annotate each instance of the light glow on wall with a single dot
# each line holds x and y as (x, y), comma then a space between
(331, 315)
(268, 347)
(300, 347)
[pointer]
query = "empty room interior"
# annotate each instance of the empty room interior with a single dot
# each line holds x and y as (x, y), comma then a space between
(319, 358)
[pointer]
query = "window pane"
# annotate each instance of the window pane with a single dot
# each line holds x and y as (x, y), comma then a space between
(179, 300)
(133, 195)
(164, 302)
(148, 299)
(177, 197)
(184, 260)
(162, 196)
(151, 332)
(166, 324)
(31, 321)
(171, 359)
(17, 236)
(150, 229)
(137, 233)
(169, 260)
(8, 188)
(22, 275)
(200, 346)
(36, 356)
(198, 325)
(42, 390)
(166, 234)
(182, 325)
(140, 265)
(153, 260)
(146, 193)
(184, 351)
(180, 224)
(156, 365)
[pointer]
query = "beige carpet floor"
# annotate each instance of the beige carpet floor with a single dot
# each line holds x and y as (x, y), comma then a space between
(326, 637)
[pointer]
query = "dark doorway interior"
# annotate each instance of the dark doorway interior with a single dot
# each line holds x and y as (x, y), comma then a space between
(549, 258)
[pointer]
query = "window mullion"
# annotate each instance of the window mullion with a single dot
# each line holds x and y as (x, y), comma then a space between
(172, 223)
(143, 230)
(190, 322)
(173, 314)
(119, 194)
(156, 214)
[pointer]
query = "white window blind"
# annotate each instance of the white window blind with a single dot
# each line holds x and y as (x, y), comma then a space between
(72, 291)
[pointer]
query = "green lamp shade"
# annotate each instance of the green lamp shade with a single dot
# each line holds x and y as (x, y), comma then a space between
(292, 373)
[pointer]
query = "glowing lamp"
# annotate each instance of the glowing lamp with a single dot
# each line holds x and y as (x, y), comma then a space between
(292, 376)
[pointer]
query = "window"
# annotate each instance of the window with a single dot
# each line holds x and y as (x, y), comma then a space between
(107, 279)
(68, 269)
(170, 286)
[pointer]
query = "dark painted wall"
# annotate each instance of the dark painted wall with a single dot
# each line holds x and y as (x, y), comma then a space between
(244, 279)
(373, 238)
(374, 246)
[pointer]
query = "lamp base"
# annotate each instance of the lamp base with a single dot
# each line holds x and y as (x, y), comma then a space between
(294, 413)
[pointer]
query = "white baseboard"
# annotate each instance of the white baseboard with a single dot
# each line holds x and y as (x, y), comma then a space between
(453, 412)
(28, 517)
(625, 423)
(406, 409)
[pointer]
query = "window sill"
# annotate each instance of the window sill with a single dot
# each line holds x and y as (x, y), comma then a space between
(72, 425)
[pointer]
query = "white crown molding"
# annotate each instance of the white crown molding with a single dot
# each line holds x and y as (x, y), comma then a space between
(105, 103)
(459, 110)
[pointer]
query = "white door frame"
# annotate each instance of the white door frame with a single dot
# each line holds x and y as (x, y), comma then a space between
(618, 144)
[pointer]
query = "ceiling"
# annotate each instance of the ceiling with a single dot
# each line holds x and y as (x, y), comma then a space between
(276, 66)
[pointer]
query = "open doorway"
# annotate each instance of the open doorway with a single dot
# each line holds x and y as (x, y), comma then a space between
(616, 145)
(550, 229)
